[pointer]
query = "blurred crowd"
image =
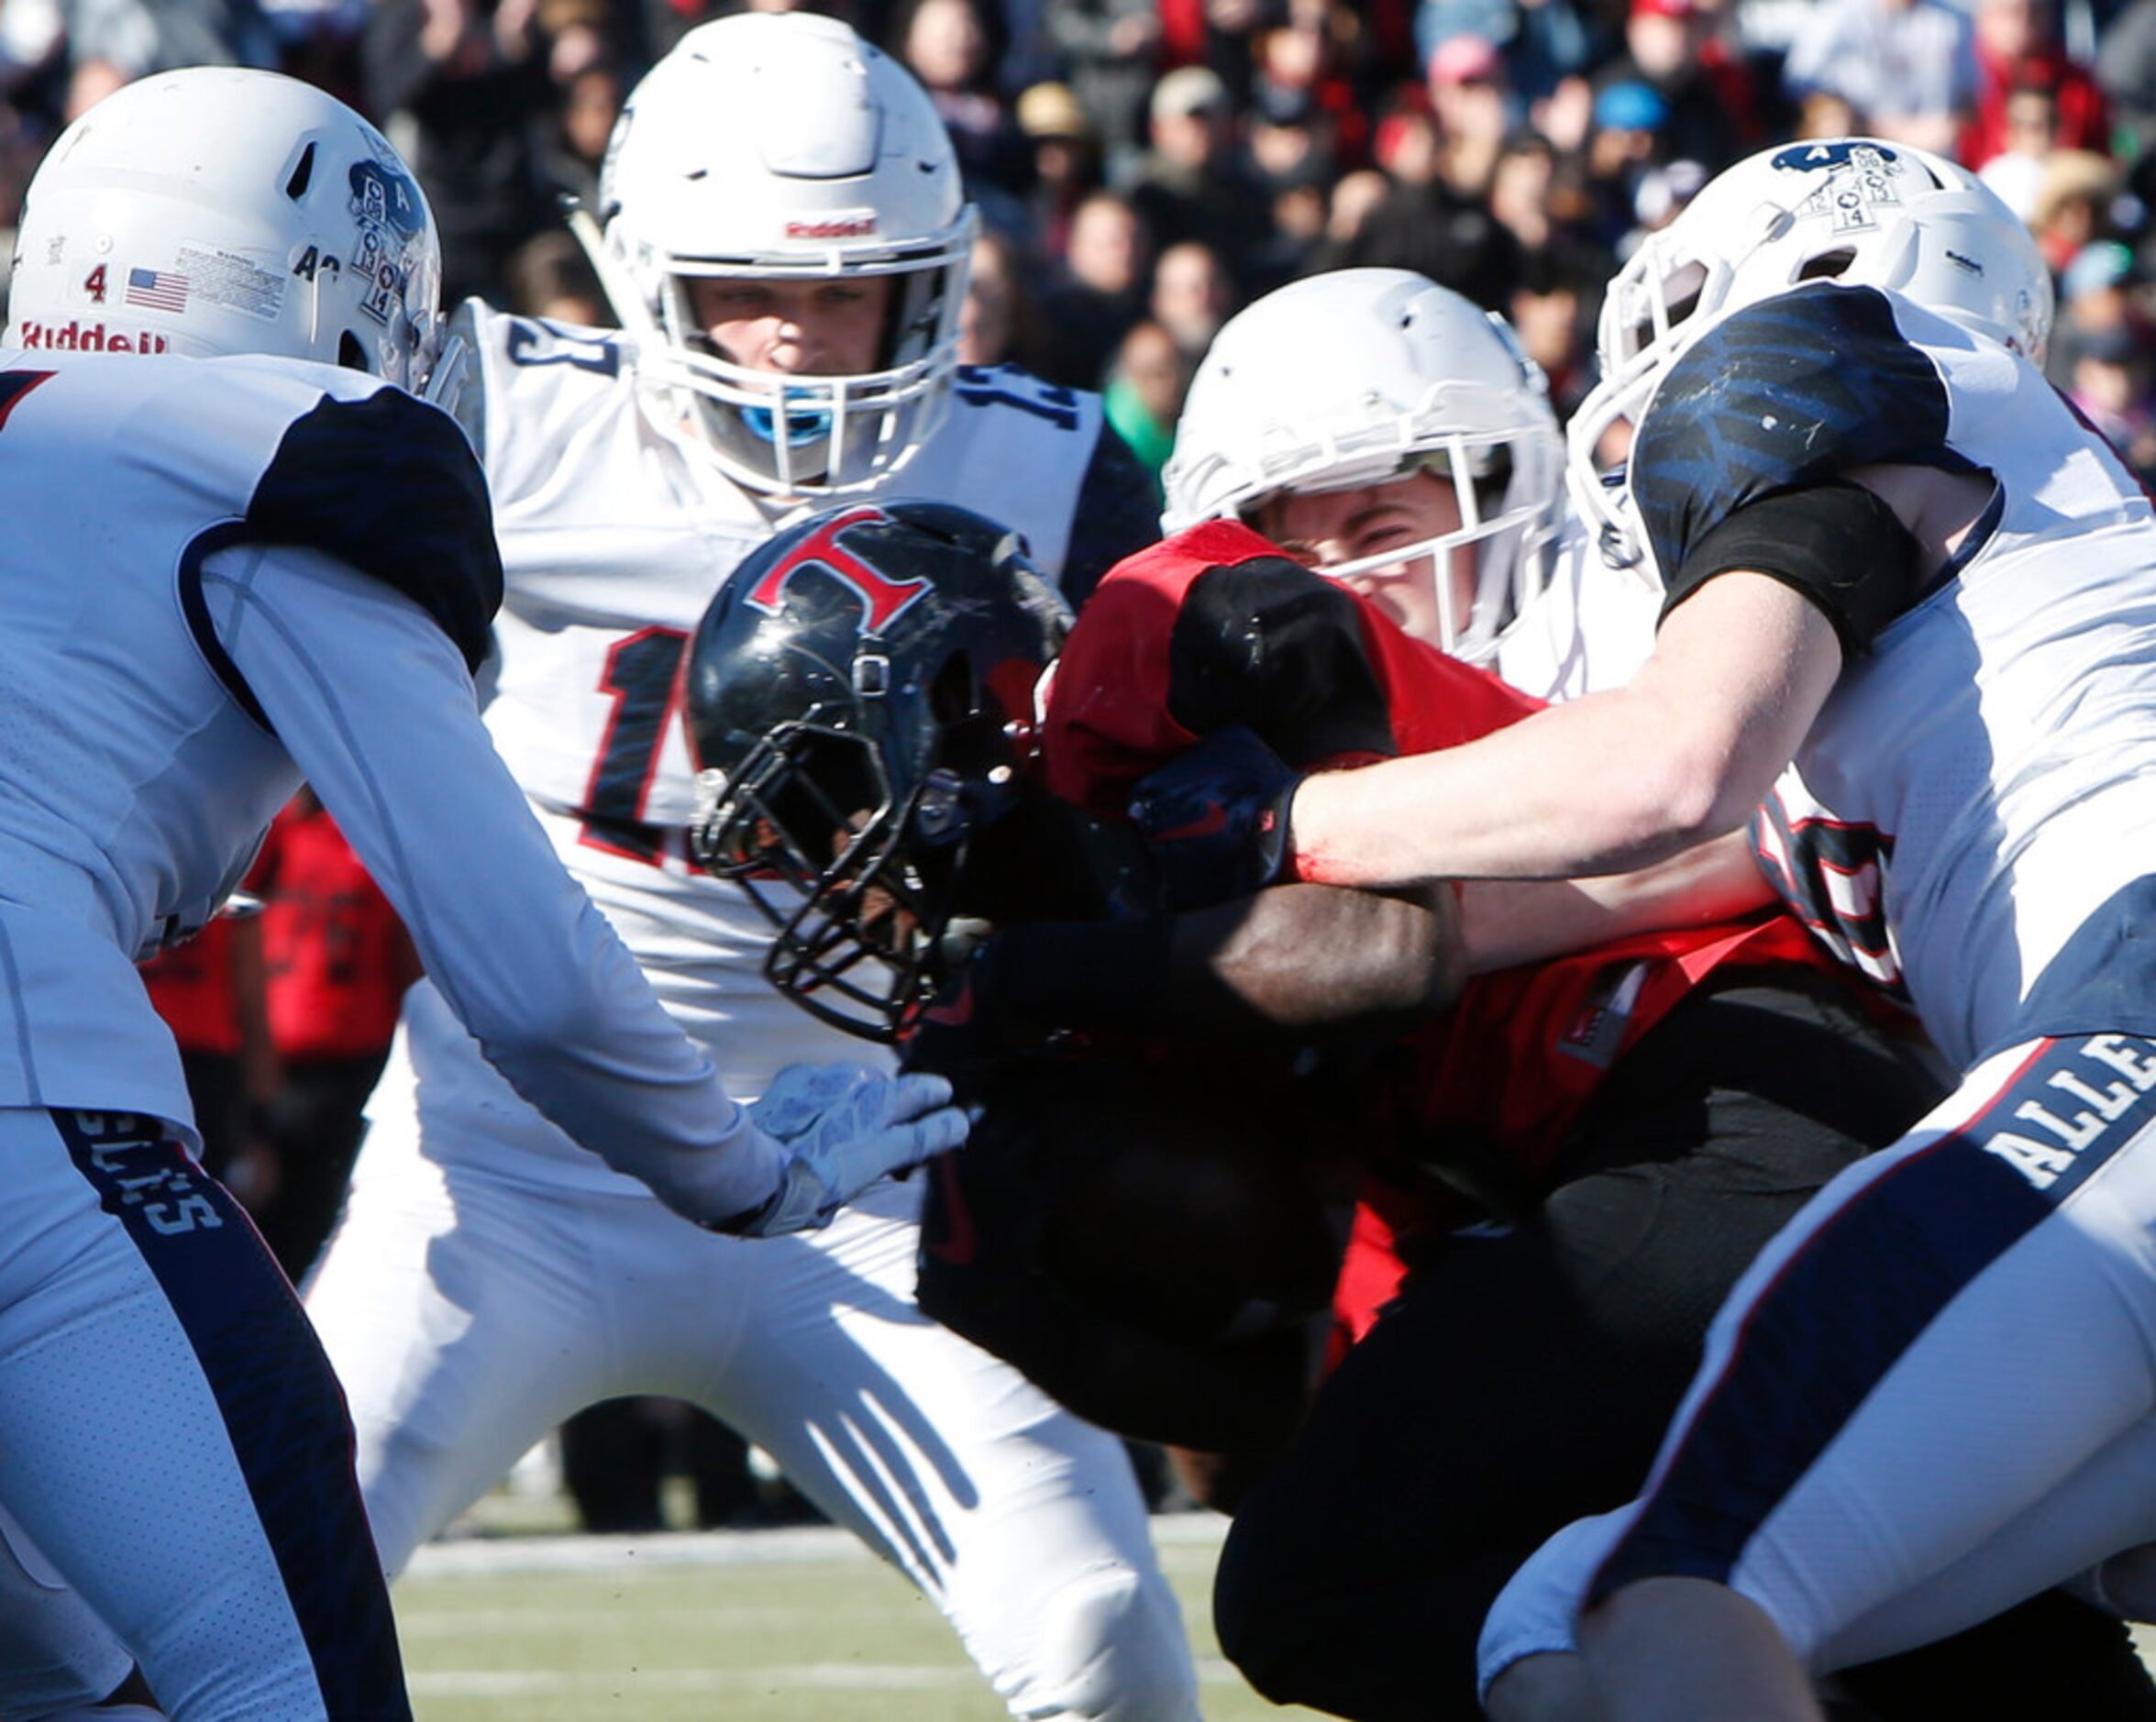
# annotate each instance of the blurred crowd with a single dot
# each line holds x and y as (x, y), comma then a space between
(1144, 167)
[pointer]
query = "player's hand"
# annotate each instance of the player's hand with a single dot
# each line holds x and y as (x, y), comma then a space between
(843, 1127)
(1217, 815)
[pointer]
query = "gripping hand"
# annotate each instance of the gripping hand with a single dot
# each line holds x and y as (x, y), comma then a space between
(1217, 815)
(843, 1127)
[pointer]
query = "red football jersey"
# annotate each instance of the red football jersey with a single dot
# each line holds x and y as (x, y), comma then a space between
(193, 988)
(1214, 626)
(335, 954)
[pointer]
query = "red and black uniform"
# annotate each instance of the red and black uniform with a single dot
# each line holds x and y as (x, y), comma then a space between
(1215, 627)
(1643, 1115)
(198, 988)
(337, 962)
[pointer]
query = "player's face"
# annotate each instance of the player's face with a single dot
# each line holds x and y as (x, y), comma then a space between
(798, 329)
(1328, 529)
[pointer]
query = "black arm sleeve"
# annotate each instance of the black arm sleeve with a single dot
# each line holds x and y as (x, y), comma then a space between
(1839, 545)
(1776, 405)
(388, 485)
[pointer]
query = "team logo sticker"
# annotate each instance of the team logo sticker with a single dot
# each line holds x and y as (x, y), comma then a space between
(1860, 182)
(386, 204)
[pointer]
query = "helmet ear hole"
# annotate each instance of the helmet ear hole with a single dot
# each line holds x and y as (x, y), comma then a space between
(301, 177)
(950, 695)
(1827, 265)
(350, 354)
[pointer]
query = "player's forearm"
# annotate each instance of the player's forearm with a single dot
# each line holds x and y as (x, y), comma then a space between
(1510, 922)
(1588, 788)
(1606, 784)
(1306, 957)
(532, 969)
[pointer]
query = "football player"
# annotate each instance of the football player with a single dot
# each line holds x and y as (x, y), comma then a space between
(1910, 645)
(1389, 432)
(1669, 1153)
(244, 556)
(784, 235)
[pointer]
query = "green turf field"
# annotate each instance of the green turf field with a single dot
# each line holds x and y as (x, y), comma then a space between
(749, 1626)
(753, 1627)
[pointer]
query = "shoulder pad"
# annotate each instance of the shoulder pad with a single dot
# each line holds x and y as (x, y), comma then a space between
(1793, 391)
(388, 485)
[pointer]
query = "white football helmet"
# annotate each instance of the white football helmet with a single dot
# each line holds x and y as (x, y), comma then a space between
(781, 146)
(1365, 375)
(218, 209)
(1853, 210)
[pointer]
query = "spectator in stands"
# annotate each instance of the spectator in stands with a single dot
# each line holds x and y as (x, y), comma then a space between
(136, 38)
(1067, 164)
(1622, 150)
(478, 82)
(573, 145)
(1908, 66)
(953, 48)
(1092, 301)
(1193, 294)
(2111, 386)
(1194, 182)
(1543, 42)
(549, 276)
(998, 324)
(1471, 93)
(2073, 205)
(2018, 55)
(1108, 48)
(1676, 49)
(2125, 71)
(2017, 170)
(1143, 394)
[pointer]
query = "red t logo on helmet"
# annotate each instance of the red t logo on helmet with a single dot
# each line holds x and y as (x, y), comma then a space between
(882, 598)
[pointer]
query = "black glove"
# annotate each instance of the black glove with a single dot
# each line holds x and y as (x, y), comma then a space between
(1217, 816)
(967, 1033)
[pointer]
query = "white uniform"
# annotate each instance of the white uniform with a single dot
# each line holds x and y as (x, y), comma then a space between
(1932, 1396)
(488, 1280)
(1589, 628)
(225, 575)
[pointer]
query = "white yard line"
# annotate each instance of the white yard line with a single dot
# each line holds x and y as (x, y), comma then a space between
(583, 1553)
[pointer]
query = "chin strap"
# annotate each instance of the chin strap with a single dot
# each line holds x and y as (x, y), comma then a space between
(621, 292)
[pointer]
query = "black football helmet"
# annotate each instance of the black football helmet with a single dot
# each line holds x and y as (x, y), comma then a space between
(861, 695)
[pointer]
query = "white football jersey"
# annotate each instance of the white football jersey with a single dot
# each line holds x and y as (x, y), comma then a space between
(1982, 779)
(1589, 628)
(227, 573)
(615, 530)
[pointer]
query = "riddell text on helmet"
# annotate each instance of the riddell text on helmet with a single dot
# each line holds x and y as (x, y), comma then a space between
(90, 337)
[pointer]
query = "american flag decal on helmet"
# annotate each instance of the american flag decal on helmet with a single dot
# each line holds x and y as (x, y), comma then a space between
(156, 290)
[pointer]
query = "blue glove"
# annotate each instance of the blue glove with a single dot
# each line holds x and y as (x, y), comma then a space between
(843, 1127)
(1217, 816)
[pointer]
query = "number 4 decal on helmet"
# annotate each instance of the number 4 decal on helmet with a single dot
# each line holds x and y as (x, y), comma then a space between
(93, 285)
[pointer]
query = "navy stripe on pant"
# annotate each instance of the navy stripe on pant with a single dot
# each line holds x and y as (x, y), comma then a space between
(282, 1406)
(1859, 1291)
